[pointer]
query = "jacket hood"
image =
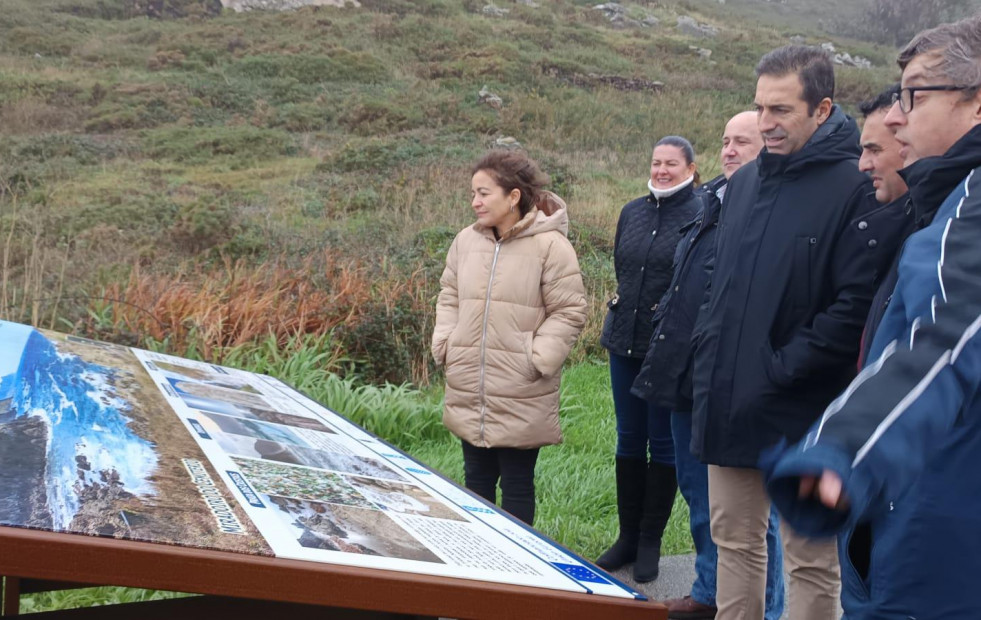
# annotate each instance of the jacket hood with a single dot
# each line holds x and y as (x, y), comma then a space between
(549, 213)
(931, 179)
(835, 140)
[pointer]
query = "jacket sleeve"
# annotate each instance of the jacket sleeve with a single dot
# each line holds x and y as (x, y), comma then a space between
(709, 267)
(883, 430)
(447, 306)
(565, 308)
(832, 338)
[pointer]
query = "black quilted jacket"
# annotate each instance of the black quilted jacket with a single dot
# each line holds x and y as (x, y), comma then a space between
(647, 234)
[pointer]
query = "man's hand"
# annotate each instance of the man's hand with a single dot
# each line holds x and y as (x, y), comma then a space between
(826, 489)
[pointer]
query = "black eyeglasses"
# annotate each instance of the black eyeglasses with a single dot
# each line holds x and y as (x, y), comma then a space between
(905, 95)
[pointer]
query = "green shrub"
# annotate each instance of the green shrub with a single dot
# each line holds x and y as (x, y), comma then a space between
(125, 209)
(429, 8)
(389, 341)
(432, 244)
(303, 117)
(127, 115)
(378, 155)
(99, 9)
(203, 224)
(114, 120)
(199, 145)
(247, 242)
(341, 65)
(232, 97)
(382, 115)
(44, 41)
(84, 150)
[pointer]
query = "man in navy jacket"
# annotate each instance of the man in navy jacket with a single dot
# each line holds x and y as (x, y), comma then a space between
(778, 338)
(898, 454)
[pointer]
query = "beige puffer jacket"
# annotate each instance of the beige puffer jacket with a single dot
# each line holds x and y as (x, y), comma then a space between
(508, 314)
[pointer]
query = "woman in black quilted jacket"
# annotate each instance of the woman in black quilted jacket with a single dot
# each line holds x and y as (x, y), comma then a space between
(647, 234)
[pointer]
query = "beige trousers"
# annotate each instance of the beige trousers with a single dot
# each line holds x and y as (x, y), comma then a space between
(739, 508)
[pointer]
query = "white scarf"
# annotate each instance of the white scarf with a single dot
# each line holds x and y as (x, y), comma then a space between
(661, 194)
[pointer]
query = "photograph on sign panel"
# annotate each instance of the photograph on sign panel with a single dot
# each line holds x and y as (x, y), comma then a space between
(216, 423)
(193, 390)
(89, 444)
(403, 498)
(255, 413)
(286, 419)
(209, 377)
(335, 527)
(265, 449)
(300, 482)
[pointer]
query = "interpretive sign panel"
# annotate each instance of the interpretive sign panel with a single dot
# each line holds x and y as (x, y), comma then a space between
(110, 441)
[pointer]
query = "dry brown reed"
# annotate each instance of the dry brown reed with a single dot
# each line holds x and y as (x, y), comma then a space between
(210, 312)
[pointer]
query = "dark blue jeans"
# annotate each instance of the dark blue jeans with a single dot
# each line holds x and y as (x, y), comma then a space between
(693, 483)
(641, 426)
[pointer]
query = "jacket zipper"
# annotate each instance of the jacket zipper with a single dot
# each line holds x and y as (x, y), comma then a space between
(483, 340)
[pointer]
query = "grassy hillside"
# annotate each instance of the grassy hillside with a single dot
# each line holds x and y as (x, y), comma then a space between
(243, 187)
(207, 169)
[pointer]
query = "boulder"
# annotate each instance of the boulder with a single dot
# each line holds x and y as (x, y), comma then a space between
(688, 25)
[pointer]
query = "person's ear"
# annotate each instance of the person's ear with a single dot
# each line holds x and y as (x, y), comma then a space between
(823, 110)
(976, 103)
(515, 197)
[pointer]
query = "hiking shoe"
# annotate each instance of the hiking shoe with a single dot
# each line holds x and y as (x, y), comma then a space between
(687, 608)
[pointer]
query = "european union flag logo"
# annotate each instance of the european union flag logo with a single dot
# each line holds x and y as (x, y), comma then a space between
(580, 573)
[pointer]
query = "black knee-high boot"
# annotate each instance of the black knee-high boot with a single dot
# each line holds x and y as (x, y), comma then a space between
(662, 485)
(631, 476)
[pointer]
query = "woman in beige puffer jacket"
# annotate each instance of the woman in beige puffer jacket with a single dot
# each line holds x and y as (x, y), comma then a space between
(511, 306)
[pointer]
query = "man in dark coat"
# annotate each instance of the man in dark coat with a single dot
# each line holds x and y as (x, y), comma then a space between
(881, 161)
(779, 336)
(895, 459)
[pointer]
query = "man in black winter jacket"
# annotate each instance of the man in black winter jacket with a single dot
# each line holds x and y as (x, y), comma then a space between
(779, 336)
(881, 161)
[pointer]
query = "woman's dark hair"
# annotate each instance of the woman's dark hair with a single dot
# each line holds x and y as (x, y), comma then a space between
(686, 148)
(514, 170)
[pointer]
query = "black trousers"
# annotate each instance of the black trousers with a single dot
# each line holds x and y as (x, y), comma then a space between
(514, 467)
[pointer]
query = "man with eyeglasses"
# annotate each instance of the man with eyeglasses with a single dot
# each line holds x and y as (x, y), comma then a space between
(897, 456)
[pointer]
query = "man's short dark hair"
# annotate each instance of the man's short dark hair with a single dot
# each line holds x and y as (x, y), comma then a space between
(812, 65)
(882, 101)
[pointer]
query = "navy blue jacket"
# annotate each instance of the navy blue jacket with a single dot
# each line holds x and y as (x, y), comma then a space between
(665, 376)
(792, 283)
(647, 234)
(905, 437)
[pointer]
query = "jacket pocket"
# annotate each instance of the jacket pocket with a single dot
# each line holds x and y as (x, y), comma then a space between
(772, 373)
(801, 284)
(855, 556)
(531, 371)
(606, 337)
